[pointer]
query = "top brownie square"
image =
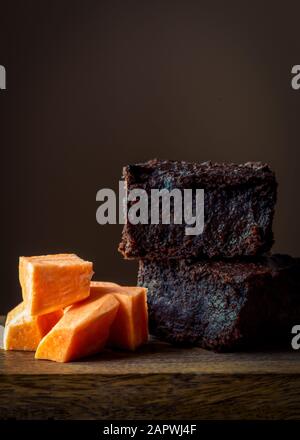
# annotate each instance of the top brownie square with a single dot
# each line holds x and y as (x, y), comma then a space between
(238, 210)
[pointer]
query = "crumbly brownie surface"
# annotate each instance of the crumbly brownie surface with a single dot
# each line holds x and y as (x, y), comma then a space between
(238, 202)
(223, 305)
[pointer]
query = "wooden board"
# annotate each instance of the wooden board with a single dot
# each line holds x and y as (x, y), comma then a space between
(157, 382)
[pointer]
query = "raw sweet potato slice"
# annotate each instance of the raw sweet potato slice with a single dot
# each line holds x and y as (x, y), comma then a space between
(23, 331)
(52, 282)
(130, 328)
(83, 330)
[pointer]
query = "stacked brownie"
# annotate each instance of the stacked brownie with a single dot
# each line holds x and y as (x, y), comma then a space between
(219, 289)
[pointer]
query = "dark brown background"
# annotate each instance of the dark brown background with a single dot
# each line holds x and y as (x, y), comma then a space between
(94, 85)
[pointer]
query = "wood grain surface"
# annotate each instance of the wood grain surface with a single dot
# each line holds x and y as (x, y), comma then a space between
(157, 382)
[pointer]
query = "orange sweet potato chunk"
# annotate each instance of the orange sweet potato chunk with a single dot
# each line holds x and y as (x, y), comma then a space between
(83, 330)
(52, 282)
(130, 328)
(24, 332)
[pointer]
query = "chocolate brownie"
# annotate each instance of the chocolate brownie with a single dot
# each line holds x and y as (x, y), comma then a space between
(223, 305)
(238, 208)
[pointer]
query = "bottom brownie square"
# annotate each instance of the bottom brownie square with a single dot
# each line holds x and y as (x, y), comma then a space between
(223, 305)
